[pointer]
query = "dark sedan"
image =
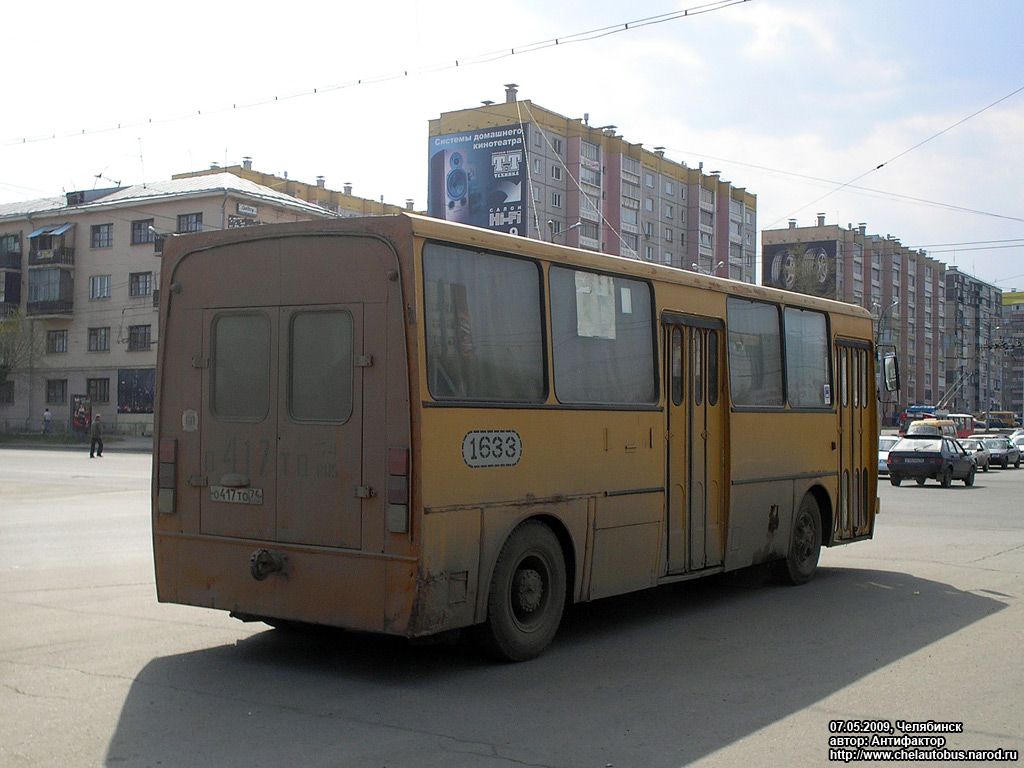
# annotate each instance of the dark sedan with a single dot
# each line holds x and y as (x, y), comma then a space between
(941, 458)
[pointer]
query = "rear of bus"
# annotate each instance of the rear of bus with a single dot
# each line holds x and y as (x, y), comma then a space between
(283, 427)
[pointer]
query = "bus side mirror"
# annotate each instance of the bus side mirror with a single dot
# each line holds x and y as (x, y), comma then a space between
(891, 373)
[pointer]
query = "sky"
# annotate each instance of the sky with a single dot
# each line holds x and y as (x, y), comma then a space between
(906, 115)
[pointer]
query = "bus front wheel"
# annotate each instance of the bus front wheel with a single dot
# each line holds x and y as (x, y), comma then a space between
(799, 566)
(527, 594)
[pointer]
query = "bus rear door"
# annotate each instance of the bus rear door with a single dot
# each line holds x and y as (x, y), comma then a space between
(285, 400)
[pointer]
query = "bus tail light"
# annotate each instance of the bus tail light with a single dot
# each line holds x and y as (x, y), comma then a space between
(398, 490)
(168, 463)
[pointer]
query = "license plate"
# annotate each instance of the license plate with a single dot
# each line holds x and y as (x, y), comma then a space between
(915, 461)
(236, 495)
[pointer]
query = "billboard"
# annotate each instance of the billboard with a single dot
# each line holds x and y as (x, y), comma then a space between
(478, 178)
(804, 267)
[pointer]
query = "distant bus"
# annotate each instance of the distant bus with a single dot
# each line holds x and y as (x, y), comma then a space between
(964, 423)
(1001, 419)
(408, 426)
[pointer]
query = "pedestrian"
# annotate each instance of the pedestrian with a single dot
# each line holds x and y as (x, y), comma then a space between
(47, 419)
(96, 433)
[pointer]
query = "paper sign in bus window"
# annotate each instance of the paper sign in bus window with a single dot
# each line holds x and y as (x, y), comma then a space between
(595, 306)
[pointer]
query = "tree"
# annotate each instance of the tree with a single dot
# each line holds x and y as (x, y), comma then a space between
(18, 345)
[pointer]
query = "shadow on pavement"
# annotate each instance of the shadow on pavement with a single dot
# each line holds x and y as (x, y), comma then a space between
(659, 678)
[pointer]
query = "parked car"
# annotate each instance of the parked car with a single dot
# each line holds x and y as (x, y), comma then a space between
(939, 458)
(1017, 433)
(982, 458)
(885, 442)
(1002, 451)
(1019, 442)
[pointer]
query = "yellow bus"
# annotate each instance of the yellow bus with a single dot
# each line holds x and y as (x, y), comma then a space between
(408, 426)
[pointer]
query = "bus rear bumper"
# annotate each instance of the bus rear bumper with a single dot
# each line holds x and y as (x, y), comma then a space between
(316, 585)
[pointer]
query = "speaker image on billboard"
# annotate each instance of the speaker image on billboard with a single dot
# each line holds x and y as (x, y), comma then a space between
(449, 186)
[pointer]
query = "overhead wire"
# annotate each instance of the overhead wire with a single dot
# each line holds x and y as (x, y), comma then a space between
(577, 37)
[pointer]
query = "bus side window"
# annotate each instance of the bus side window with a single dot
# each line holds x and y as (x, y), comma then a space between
(484, 336)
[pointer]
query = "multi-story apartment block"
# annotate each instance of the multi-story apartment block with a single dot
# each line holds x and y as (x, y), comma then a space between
(973, 363)
(517, 167)
(904, 289)
(1012, 348)
(82, 273)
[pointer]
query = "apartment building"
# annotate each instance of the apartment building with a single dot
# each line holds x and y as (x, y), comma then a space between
(904, 289)
(520, 168)
(974, 371)
(82, 272)
(1012, 349)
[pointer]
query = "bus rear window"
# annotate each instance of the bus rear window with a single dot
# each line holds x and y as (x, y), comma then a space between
(241, 367)
(321, 367)
(483, 326)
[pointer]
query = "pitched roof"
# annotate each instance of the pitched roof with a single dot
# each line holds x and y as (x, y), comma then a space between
(193, 186)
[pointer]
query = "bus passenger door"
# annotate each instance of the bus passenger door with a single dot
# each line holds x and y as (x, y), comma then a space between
(696, 442)
(855, 502)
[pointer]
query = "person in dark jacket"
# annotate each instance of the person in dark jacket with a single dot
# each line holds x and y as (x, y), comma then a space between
(96, 433)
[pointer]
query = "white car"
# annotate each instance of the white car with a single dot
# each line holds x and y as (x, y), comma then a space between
(885, 442)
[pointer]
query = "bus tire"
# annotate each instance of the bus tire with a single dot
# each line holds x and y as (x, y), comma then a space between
(527, 595)
(802, 561)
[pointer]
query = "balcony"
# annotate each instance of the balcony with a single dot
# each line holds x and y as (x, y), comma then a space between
(51, 257)
(56, 308)
(8, 308)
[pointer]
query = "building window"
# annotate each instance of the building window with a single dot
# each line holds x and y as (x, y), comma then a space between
(98, 390)
(7, 393)
(140, 283)
(538, 166)
(56, 391)
(99, 339)
(556, 200)
(138, 337)
(590, 176)
(668, 211)
(10, 244)
(668, 235)
(99, 287)
(649, 180)
(589, 151)
(649, 204)
(670, 188)
(142, 231)
(556, 172)
(190, 222)
(56, 342)
(556, 144)
(588, 230)
(649, 252)
(103, 235)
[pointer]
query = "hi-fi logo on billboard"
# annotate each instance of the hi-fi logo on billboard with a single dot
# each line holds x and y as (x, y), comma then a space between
(506, 164)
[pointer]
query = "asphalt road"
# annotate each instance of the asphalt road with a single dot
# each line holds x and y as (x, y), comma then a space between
(922, 624)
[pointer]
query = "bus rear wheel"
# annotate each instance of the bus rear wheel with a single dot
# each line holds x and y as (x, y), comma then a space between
(527, 595)
(799, 566)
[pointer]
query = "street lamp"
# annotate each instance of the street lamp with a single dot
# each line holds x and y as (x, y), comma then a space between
(698, 268)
